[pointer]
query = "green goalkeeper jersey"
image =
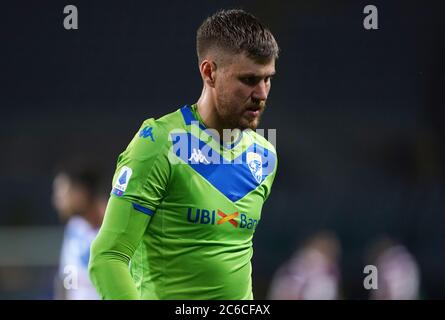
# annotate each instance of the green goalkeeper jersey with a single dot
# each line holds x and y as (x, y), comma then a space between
(182, 213)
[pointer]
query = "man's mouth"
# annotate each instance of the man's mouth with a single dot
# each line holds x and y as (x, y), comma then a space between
(254, 108)
(253, 111)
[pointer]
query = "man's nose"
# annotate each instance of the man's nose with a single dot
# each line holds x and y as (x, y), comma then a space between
(261, 91)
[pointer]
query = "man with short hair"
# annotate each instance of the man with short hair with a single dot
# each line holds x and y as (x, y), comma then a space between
(187, 195)
(78, 200)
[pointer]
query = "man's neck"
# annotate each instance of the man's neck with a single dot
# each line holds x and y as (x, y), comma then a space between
(207, 111)
(206, 108)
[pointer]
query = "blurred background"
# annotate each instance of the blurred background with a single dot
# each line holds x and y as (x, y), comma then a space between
(358, 113)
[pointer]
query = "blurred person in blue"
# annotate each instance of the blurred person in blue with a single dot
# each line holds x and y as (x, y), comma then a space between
(398, 275)
(312, 273)
(80, 204)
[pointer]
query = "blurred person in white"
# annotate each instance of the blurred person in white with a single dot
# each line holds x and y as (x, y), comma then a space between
(312, 273)
(397, 271)
(79, 203)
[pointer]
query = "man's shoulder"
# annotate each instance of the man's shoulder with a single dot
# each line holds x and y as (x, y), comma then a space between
(165, 123)
(153, 135)
(160, 127)
(171, 120)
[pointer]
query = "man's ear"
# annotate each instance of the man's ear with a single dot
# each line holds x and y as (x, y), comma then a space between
(208, 72)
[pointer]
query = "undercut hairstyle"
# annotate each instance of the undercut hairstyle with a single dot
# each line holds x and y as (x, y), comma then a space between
(236, 31)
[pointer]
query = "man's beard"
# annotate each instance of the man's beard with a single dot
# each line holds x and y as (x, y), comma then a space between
(234, 117)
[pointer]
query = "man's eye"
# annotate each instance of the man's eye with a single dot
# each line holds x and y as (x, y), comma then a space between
(249, 80)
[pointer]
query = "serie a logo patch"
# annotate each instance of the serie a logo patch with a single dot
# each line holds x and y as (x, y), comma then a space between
(122, 181)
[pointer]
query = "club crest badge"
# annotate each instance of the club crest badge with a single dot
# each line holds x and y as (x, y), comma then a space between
(255, 165)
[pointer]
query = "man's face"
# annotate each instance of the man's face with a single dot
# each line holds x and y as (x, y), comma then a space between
(242, 86)
(68, 198)
(61, 196)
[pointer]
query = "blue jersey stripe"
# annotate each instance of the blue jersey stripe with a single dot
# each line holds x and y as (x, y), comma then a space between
(189, 117)
(142, 209)
(234, 179)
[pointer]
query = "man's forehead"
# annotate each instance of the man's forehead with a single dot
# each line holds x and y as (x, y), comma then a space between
(242, 64)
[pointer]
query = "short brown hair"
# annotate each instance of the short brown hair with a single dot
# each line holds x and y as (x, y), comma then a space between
(236, 31)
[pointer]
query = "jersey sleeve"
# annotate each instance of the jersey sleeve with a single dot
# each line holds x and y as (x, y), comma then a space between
(143, 169)
(139, 185)
(113, 248)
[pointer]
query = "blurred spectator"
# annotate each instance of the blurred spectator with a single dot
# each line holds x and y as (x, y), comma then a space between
(79, 202)
(312, 273)
(397, 270)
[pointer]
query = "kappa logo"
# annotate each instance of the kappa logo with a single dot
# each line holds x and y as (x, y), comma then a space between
(147, 132)
(198, 157)
(255, 165)
(122, 181)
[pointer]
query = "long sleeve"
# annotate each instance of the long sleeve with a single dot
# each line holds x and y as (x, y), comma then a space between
(139, 185)
(113, 248)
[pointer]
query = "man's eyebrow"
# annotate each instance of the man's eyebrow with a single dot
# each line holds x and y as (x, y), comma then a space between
(254, 75)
